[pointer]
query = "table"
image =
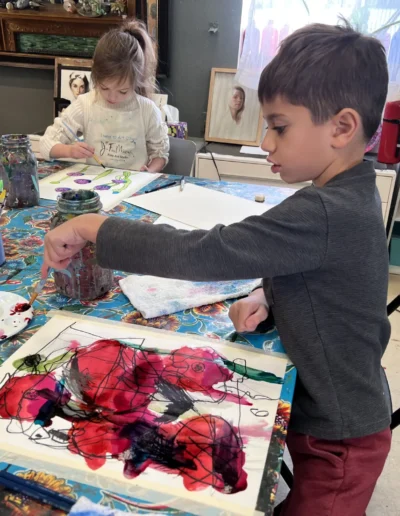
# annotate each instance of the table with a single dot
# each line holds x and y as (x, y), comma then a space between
(23, 232)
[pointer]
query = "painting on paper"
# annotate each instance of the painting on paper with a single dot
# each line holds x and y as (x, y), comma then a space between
(179, 415)
(112, 185)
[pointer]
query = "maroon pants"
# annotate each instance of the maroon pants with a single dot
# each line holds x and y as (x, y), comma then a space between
(334, 478)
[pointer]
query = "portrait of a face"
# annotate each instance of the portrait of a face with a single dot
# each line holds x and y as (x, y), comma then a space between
(78, 84)
(234, 113)
(237, 103)
(74, 83)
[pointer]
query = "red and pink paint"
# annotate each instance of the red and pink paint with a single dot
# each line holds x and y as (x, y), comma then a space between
(105, 393)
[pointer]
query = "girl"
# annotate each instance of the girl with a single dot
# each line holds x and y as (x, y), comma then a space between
(119, 123)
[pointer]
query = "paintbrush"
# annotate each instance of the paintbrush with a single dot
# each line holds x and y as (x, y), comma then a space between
(81, 140)
(3, 197)
(39, 287)
(37, 290)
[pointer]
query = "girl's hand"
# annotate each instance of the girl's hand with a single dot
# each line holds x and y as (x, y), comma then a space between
(79, 150)
(246, 314)
(63, 242)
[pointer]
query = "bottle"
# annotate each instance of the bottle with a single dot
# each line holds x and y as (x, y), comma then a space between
(20, 171)
(83, 279)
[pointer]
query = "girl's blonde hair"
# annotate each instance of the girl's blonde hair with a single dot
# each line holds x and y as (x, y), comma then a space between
(127, 52)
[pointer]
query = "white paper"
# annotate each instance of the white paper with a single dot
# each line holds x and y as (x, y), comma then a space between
(257, 151)
(112, 185)
(248, 406)
(199, 207)
(174, 223)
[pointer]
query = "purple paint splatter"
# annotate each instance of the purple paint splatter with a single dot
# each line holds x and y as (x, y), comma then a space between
(119, 181)
(62, 189)
(102, 187)
(82, 181)
(75, 174)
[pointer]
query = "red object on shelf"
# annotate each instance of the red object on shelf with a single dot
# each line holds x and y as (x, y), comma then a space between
(389, 148)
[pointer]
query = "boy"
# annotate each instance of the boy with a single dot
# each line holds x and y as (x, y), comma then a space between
(322, 253)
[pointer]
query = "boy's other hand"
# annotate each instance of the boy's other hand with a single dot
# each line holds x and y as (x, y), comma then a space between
(246, 314)
(79, 150)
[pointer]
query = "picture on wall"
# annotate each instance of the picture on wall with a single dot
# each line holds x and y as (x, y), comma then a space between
(73, 78)
(233, 113)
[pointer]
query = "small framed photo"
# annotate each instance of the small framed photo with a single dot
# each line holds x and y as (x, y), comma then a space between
(72, 78)
(233, 113)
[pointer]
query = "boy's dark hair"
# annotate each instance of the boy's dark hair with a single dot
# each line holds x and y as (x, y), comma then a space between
(326, 68)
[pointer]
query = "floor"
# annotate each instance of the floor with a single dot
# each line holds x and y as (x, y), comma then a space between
(386, 498)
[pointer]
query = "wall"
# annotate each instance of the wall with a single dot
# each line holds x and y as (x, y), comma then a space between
(26, 96)
(26, 99)
(194, 51)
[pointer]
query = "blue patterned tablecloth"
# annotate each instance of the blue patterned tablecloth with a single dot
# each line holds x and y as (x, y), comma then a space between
(23, 232)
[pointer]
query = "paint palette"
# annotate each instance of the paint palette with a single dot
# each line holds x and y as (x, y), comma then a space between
(15, 314)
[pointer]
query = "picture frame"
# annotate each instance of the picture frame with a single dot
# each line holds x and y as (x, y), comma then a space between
(233, 112)
(72, 78)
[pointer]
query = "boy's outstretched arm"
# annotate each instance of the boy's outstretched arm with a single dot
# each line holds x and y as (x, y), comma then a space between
(289, 238)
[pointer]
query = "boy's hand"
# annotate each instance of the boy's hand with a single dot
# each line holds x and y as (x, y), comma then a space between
(79, 150)
(246, 314)
(63, 242)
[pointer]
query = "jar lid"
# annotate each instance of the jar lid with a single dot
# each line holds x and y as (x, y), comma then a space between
(78, 202)
(15, 140)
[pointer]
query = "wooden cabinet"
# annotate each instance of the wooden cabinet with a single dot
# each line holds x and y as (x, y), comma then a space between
(34, 38)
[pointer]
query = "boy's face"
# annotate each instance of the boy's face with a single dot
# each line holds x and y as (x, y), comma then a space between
(298, 149)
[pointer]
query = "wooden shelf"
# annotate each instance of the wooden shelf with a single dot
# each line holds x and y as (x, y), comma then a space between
(57, 13)
(22, 46)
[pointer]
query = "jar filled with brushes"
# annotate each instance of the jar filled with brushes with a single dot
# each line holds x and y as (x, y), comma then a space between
(83, 279)
(20, 174)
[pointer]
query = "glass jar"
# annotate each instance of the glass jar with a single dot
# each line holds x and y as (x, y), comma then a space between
(21, 176)
(83, 279)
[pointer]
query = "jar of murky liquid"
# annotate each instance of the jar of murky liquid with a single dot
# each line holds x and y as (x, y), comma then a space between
(20, 174)
(83, 279)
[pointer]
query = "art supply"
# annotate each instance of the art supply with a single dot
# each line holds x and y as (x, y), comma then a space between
(96, 398)
(182, 184)
(3, 198)
(112, 185)
(198, 206)
(2, 253)
(85, 507)
(166, 185)
(154, 297)
(36, 491)
(15, 314)
(259, 198)
(174, 223)
(38, 289)
(81, 140)
(83, 279)
(20, 171)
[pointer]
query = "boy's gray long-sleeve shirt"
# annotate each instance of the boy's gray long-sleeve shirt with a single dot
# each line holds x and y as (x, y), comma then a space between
(323, 254)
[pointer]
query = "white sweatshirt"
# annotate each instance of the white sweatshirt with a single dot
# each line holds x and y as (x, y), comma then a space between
(125, 135)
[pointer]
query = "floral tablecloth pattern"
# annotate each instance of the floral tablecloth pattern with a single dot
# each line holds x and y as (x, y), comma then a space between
(23, 232)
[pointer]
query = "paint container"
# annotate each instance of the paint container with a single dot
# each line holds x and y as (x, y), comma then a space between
(2, 255)
(84, 279)
(20, 171)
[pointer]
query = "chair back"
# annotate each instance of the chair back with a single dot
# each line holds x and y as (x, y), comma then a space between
(181, 157)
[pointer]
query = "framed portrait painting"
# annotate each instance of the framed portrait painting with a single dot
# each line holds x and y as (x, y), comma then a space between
(233, 112)
(72, 78)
